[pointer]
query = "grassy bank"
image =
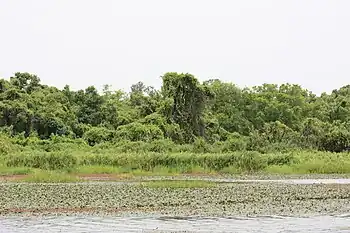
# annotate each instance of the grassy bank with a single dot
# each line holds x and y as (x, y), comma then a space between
(63, 165)
(64, 160)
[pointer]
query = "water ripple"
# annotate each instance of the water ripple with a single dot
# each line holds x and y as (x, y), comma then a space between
(262, 224)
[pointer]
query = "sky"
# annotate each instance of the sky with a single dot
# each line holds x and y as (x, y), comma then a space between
(246, 42)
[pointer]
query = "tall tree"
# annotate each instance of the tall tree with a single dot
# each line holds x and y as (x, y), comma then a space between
(188, 98)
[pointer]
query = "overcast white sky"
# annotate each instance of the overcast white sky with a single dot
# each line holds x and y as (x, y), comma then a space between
(247, 42)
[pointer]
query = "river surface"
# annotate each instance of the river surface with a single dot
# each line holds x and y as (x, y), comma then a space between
(107, 224)
(219, 180)
(79, 224)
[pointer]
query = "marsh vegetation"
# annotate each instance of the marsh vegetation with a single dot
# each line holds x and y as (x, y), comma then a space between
(186, 127)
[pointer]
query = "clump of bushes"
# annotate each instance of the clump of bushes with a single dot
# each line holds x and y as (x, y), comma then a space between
(139, 132)
(96, 135)
(43, 160)
(6, 146)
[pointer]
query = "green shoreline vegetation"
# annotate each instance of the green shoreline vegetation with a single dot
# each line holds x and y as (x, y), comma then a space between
(186, 127)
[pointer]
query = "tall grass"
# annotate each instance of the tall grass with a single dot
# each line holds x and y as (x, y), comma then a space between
(43, 160)
(314, 163)
(183, 162)
(50, 177)
(98, 169)
(165, 158)
(97, 162)
(8, 171)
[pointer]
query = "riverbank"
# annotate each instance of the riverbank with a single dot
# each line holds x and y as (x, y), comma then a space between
(58, 177)
(73, 167)
(138, 198)
(107, 161)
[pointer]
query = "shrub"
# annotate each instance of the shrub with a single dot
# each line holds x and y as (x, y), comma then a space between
(129, 146)
(97, 135)
(281, 159)
(235, 142)
(201, 146)
(250, 161)
(43, 160)
(336, 141)
(6, 146)
(165, 145)
(139, 132)
(80, 129)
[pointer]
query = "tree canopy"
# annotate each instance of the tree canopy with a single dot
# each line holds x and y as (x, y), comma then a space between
(184, 111)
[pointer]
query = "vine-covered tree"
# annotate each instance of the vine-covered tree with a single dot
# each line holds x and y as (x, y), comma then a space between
(188, 98)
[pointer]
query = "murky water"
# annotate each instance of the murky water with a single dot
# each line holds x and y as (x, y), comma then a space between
(296, 181)
(79, 224)
(220, 180)
(271, 224)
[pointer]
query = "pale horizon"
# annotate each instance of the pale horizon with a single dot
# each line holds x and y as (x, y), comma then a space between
(83, 43)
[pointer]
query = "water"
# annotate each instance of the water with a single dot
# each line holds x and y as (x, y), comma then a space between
(79, 224)
(220, 180)
(271, 224)
(296, 181)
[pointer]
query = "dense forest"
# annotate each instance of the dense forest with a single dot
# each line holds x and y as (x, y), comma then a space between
(212, 115)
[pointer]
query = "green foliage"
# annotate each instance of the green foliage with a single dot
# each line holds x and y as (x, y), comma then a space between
(80, 129)
(96, 135)
(9, 171)
(6, 146)
(98, 169)
(188, 103)
(162, 146)
(336, 140)
(88, 105)
(185, 115)
(200, 146)
(272, 137)
(108, 158)
(246, 161)
(235, 142)
(249, 161)
(312, 131)
(139, 132)
(43, 160)
(50, 177)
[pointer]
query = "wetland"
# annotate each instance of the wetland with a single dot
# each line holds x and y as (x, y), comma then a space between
(184, 198)
(192, 156)
(187, 205)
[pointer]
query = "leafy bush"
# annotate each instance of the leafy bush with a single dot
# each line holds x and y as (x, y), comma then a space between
(43, 160)
(139, 132)
(164, 145)
(235, 142)
(129, 146)
(250, 161)
(97, 135)
(6, 146)
(337, 140)
(201, 146)
(281, 159)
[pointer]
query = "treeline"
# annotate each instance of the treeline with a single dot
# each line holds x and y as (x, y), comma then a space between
(212, 114)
